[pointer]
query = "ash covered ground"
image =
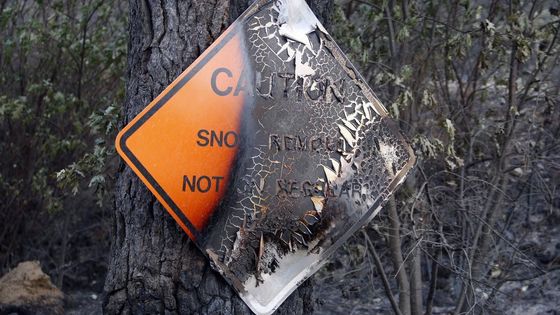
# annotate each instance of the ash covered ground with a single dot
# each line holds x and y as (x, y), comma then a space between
(350, 284)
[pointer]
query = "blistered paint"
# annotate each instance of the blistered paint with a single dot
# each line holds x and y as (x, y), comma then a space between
(296, 20)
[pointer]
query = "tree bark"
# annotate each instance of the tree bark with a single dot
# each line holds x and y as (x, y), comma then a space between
(154, 267)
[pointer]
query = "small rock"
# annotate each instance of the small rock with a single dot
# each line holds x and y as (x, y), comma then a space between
(537, 218)
(27, 289)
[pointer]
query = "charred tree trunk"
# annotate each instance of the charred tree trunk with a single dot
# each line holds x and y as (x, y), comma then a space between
(154, 267)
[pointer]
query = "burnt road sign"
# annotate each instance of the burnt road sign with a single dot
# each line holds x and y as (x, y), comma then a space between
(270, 150)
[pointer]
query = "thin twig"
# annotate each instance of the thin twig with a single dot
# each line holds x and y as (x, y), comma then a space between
(383, 275)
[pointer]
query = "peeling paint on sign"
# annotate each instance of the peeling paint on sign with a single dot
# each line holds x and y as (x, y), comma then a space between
(269, 151)
(296, 20)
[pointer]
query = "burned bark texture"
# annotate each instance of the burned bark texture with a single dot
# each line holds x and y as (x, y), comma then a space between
(154, 267)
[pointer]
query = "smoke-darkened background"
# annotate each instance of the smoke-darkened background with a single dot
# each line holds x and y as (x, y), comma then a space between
(474, 85)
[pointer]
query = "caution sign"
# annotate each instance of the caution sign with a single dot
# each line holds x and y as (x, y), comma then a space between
(269, 151)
